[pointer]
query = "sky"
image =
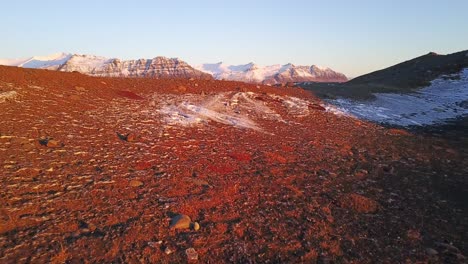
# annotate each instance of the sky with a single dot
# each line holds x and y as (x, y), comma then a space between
(353, 37)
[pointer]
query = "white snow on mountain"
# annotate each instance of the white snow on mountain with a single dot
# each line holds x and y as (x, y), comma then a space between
(86, 63)
(246, 72)
(158, 67)
(44, 62)
(446, 98)
(271, 74)
(164, 67)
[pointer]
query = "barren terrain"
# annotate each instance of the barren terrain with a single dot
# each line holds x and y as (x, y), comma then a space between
(93, 169)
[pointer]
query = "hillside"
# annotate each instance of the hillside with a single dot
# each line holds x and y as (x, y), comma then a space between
(99, 169)
(400, 78)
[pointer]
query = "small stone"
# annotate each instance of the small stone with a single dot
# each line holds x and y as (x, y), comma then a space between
(448, 247)
(183, 222)
(181, 89)
(156, 244)
(195, 226)
(92, 227)
(361, 174)
(180, 222)
(359, 203)
(191, 254)
(460, 257)
(431, 252)
(143, 165)
(168, 251)
(135, 183)
(80, 89)
(75, 97)
(131, 137)
(198, 182)
(53, 144)
(413, 235)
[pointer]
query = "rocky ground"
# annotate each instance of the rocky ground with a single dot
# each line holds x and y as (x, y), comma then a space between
(94, 169)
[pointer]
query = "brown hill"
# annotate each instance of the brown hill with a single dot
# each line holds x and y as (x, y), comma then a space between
(94, 169)
(402, 77)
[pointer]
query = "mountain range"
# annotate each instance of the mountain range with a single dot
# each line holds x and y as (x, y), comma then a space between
(158, 67)
(272, 74)
(162, 67)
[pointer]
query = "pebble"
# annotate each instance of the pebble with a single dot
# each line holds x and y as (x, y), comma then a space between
(181, 88)
(168, 251)
(191, 254)
(431, 251)
(155, 244)
(53, 144)
(359, 203)
(80, 89)
(135, 183)
(130, 137)
(183, 222)
(198, 182)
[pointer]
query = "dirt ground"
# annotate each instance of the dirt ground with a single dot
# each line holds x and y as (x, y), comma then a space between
(92, 172)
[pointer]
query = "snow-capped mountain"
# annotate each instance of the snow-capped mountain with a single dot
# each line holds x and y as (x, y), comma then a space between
(162, 67)
(272, 74)
(42, 62)
(158, 67)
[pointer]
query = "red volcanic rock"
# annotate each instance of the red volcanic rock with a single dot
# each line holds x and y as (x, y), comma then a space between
(221, 169)
(135, 183)
(359, 203)
(267, 182)
(240, 156)
(130, 95)
(316, 107)
(143, 165)
(129, 137)
(398, 132)
(273, 157)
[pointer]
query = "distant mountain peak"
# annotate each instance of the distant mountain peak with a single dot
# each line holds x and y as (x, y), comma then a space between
(158, 67)
(272, 74)
(164, 67)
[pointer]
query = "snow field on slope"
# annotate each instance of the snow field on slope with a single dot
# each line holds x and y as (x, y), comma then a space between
(238, 109)
(446, 98)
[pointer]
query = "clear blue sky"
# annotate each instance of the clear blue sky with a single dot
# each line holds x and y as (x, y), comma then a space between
(350, 36)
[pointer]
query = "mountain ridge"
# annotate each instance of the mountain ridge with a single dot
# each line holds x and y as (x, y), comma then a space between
(405, 77)
(163, 67)
(157, 67)
(271, 74)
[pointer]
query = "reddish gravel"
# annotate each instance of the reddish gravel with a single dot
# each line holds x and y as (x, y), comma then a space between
(92, 172)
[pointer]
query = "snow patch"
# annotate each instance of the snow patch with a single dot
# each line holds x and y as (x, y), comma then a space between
(45, 62)
(444, 99)
(238, 109)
